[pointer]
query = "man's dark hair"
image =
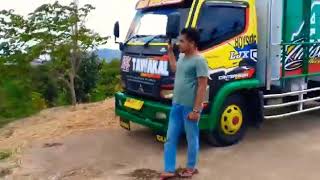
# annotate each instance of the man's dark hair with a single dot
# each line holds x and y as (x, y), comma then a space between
(191, 34)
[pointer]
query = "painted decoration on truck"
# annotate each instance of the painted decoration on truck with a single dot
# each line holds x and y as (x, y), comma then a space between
(294, 33)
(150, 67)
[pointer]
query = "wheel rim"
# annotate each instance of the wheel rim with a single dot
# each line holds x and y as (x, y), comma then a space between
(231, 120)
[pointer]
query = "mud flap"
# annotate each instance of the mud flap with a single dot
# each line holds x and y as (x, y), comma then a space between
(125, 124)
(256, 105)
(161, 137)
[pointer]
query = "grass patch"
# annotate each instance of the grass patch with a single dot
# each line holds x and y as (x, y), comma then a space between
(4, 155)
(5, 121)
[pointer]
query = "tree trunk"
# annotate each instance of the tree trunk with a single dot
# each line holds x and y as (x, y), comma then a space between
(74, 59)
(72, 89)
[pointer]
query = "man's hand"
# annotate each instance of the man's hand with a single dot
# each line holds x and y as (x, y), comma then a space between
(194, 116)
(170, 47)
(172, 58)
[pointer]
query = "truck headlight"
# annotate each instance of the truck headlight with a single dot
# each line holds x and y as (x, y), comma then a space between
(166, 94)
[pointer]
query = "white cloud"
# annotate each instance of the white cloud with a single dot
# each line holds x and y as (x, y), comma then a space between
(101, 19)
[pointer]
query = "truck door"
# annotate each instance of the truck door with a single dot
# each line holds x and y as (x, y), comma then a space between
(228, 38)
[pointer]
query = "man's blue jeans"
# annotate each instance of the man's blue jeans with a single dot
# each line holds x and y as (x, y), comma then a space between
(178, 121)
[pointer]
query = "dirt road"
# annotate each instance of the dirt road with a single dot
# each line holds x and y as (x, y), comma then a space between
(287, 149)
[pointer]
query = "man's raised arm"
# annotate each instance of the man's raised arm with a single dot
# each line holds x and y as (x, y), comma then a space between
(172, 58)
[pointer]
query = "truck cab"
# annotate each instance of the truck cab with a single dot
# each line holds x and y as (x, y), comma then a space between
(238, 39)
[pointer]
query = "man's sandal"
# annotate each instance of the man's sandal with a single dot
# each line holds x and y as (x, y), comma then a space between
(165, 176)
(188, 173)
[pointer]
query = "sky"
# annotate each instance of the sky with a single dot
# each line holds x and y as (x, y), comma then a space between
(101, 20)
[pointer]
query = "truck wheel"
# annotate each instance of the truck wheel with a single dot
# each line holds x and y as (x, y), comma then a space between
(232, 124)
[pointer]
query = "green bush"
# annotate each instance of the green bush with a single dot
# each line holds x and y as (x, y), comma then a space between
(38, 103)
(4, 155)
(39, 88)
(88, 77)
(45, 83)
(110, 77)
(98, 93)
(62, 99)
(16, 100)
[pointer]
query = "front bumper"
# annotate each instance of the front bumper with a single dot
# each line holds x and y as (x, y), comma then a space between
(147, 115)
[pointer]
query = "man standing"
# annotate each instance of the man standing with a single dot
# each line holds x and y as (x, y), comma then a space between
(189, 93)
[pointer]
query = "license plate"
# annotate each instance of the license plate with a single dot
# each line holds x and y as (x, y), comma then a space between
(133, 104)
(125, 124)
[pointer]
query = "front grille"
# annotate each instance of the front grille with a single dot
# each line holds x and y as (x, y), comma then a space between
(141, 88)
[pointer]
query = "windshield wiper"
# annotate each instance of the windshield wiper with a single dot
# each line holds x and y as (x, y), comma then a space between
(132, 37)
(153, 38)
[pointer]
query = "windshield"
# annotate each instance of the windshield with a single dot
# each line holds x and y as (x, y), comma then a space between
(147, 24)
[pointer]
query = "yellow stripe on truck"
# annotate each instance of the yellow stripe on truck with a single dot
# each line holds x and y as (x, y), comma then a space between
(197, 13)
(190, 13)
(151, 44)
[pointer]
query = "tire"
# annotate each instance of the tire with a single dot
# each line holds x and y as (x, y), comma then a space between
(233, 122)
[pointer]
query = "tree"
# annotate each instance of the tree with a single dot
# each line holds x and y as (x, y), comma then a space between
(14, 57)
(89, 76)
(45, 84)
(57, 34)
(15, 89)
(60, 32)
(109, 80)
(13, 42)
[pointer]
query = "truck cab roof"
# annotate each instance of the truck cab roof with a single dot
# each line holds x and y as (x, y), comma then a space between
(148, 4)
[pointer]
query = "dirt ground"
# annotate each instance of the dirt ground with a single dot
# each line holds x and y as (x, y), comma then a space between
(86, 143)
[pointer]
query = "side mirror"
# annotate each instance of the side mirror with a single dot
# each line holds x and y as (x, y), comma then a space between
(173, 25)
(116, 31)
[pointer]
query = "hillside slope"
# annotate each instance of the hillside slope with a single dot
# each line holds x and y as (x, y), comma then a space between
(57, 122)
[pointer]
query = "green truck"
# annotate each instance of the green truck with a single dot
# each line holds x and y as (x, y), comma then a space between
(263, 58)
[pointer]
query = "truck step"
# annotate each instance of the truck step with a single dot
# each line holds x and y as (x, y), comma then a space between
(280, 109)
